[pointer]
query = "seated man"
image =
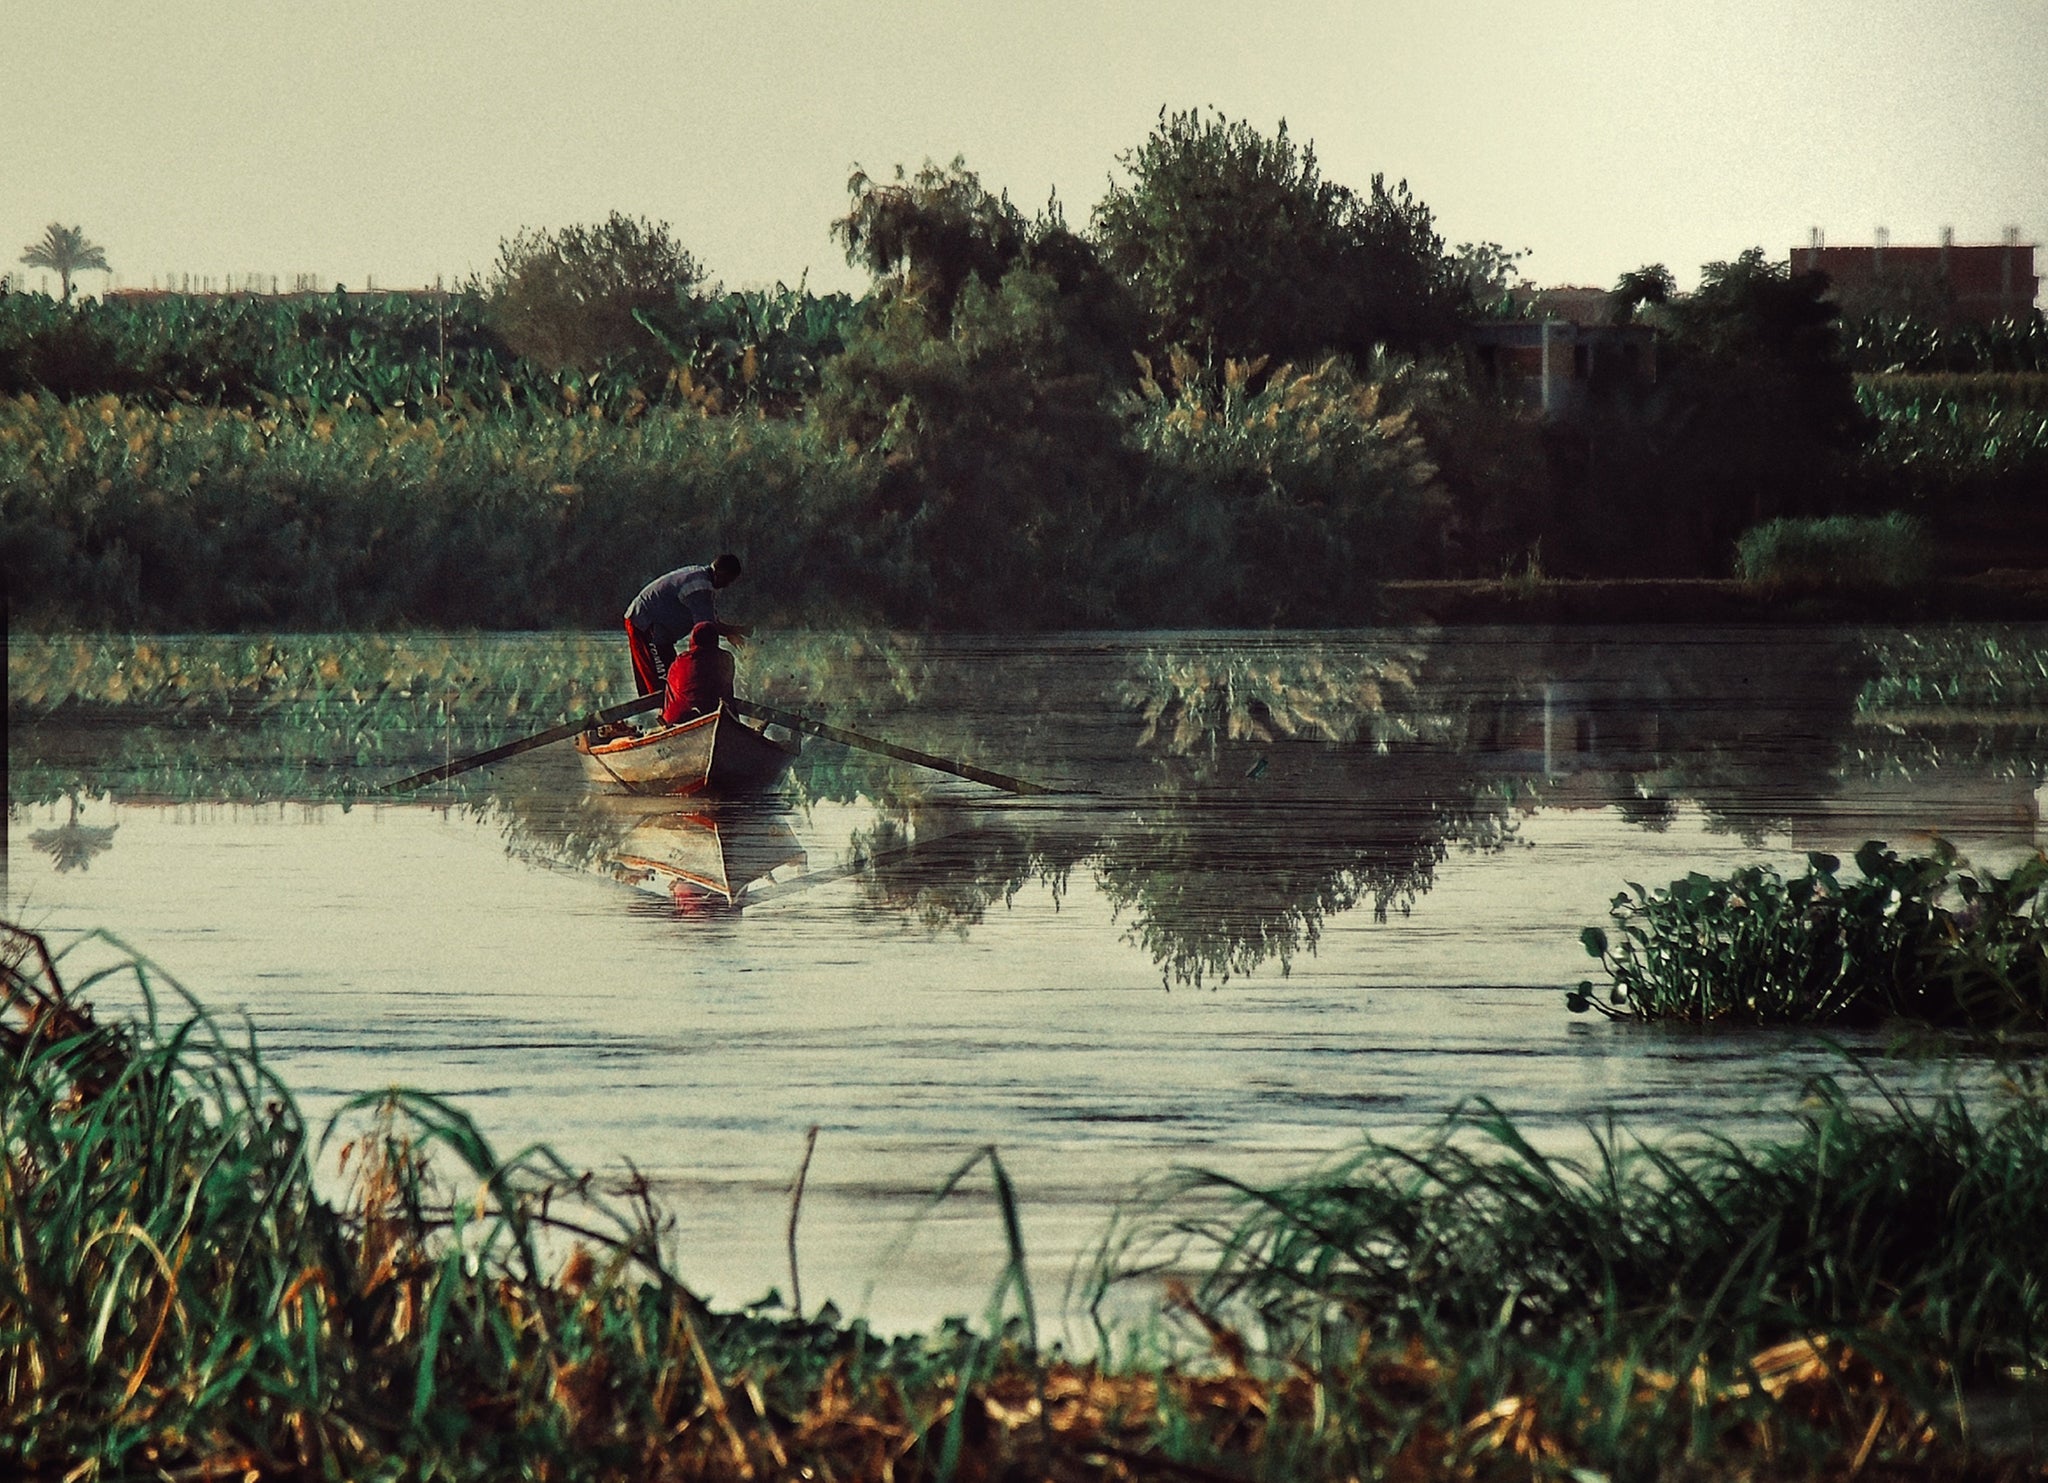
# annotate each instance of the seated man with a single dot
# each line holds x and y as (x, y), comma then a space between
(700, 678)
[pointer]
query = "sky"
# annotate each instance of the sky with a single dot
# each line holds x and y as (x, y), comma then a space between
(388, 143)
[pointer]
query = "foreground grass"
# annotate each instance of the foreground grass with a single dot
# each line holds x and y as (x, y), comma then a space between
(178, 1300)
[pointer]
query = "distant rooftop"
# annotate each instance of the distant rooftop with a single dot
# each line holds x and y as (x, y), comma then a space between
(1576, 303)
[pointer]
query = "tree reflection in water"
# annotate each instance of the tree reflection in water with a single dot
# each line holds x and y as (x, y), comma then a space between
(1243, 790)
(72, 845)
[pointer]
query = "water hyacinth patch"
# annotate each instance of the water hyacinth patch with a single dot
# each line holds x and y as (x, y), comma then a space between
(1923, 938)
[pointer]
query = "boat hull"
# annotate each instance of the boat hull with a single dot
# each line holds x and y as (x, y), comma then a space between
(718, 755)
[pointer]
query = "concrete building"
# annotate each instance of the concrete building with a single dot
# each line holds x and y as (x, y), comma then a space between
(1556, 366)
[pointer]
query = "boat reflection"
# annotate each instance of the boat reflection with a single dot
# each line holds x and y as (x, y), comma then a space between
(706, 857)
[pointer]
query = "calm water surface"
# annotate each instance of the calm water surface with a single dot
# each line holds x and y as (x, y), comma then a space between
(1304, 888)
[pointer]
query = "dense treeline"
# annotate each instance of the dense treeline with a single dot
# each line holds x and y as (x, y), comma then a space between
(1239, 394)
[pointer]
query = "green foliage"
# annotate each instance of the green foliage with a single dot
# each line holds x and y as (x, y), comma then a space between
(1234, 243)
(2003, 671)
(180, 1298)
(926, 235)
(1906, 396)
(761, 349)
(1753, 417)
(117, 516)
(1694, 1308)
(183, 1298)
(1638, 287)
(994, 453)
(1919, 937)
(1488, 276)
(1959, 444)
(569, 299)
(415, 353)
(294, 716)
(288, 355)
(1274, 499)
(1768, 339)
(1838, 550)
(1891, 342)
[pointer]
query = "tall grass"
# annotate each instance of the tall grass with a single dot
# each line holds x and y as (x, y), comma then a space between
(1282, 497)
(313, 716)
(181, 1297)
(1695, 1308)
(1837, 550)
(119, 516)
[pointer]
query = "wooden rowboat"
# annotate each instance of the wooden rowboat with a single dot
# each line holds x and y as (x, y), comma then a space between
(717, 754)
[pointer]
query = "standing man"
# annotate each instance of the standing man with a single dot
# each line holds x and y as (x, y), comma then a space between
(661, 617)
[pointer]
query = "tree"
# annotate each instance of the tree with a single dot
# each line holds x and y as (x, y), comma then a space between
(924, 236)
(1489, 276)
(1236, 246)
(65, 251)
(1637, 287)
(1753, 416)
(570, 298)
(980, 381)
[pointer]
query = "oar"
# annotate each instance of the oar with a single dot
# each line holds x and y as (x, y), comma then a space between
(562, 732)
(888, 749)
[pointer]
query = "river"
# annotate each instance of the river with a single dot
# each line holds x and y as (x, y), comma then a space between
(1295, 890)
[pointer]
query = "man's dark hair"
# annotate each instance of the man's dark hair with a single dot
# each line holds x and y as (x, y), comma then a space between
(727, 566)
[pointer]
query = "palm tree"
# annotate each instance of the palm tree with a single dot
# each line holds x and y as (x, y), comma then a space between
(64, 251)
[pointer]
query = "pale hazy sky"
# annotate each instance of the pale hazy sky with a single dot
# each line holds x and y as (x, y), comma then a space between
(402, 140)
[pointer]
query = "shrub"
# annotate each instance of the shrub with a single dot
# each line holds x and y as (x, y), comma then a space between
(1844, 550)
(570, 298)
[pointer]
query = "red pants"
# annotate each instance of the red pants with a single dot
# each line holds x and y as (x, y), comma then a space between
(651, 659)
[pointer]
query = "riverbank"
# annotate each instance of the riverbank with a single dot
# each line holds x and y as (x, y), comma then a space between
(1857, 1296)
(1998, 596)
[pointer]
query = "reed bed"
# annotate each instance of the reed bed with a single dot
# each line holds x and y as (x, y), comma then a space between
(1811, 1305)
(121, 516)
(181, 1298)
(304, 716)
(1922, 938)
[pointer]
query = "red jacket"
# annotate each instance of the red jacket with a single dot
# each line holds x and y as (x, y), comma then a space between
(699, 679)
